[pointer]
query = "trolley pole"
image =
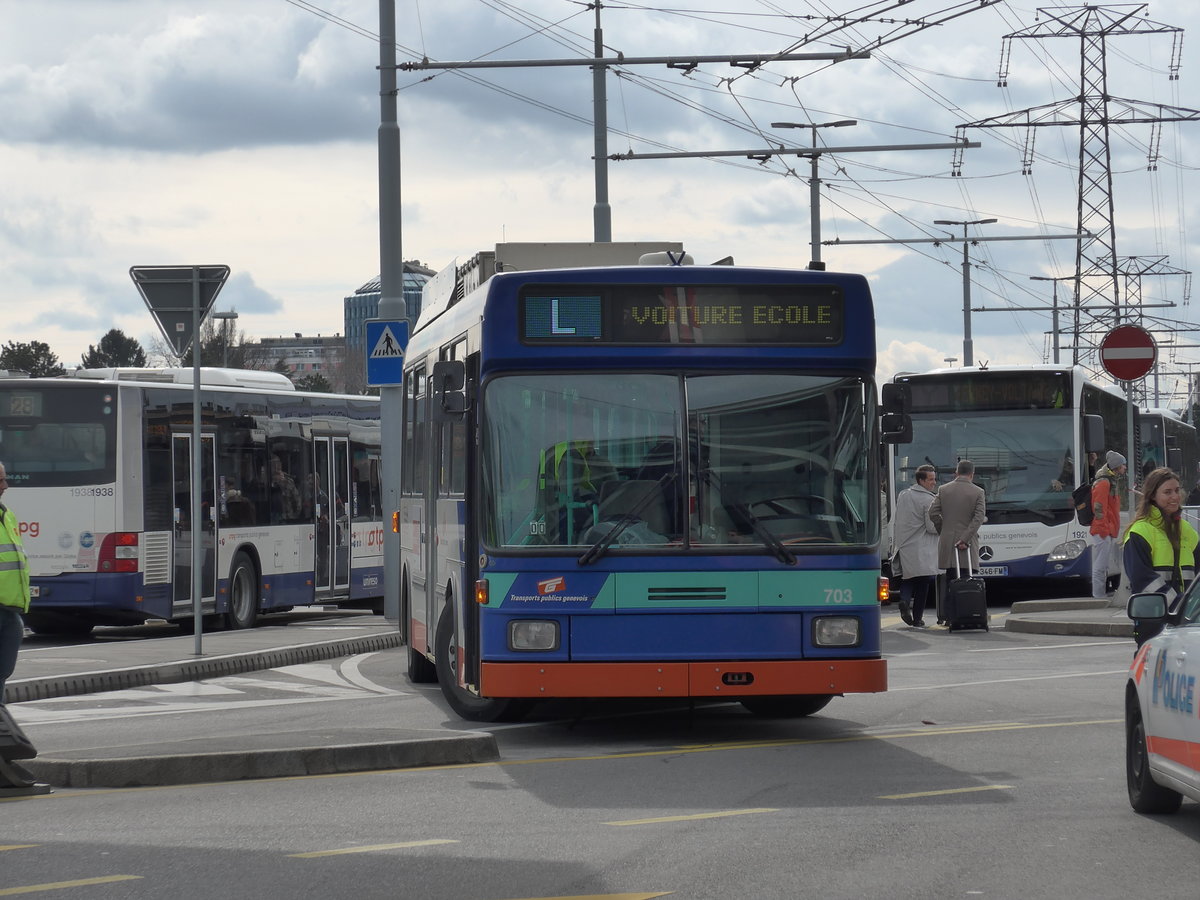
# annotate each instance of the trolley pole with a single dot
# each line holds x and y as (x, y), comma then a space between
(391, 302)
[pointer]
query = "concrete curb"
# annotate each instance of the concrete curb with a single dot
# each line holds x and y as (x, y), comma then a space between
(1033, 624)
(23, 690)
(180, 763)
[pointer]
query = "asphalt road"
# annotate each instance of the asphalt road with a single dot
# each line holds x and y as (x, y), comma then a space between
(993, 767)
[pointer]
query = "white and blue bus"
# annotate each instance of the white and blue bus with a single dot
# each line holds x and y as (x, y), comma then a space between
(643, 481)
(1034, 434)
(1164, 439)
(99, 468)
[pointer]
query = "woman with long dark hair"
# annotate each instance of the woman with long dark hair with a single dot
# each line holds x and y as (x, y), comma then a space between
(1160, 547)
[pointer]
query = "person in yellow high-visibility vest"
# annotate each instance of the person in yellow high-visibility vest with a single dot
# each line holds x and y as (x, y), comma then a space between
(570, 474)
(14, 587)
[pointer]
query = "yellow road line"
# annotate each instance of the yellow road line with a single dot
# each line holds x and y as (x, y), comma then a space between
(369, 849)
(59, 885)
(968, 790)
(710, 815)
(4, 847)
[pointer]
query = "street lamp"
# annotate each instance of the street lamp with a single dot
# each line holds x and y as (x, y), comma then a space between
(226, 316)
(968, 347)
(950, 361)
(814, 183)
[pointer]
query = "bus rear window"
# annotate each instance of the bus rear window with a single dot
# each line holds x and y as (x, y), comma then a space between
(57, 436)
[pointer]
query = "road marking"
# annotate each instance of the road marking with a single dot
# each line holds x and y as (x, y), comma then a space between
(59, 885)
(968, 790)
(1045, 647)
(370, 849)
(4, 847)
(956, 684)
(694, 816)
(606, 896)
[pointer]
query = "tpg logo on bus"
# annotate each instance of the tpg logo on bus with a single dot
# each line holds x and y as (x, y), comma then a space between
(29, 529)
(551, 585)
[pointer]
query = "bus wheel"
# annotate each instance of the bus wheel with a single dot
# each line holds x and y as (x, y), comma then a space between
(786, 707)
(243, 593)
(466, 704)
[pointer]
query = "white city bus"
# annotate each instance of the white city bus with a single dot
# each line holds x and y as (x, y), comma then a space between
(99, 468)
(1025, 428)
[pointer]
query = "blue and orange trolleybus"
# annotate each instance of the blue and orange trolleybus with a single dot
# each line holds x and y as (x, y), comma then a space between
(643, 481)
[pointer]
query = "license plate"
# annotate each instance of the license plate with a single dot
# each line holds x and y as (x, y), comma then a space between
(35, 591)
(993, 570)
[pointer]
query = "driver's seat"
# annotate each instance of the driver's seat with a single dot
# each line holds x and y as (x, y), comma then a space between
(619, 498)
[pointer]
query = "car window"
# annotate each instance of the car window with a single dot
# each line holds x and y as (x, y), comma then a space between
(1191, 605)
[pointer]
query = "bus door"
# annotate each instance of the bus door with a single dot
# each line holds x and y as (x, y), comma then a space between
(331, 511)
(187, 526)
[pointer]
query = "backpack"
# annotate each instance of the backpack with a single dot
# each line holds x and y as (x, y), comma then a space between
(1081, 500)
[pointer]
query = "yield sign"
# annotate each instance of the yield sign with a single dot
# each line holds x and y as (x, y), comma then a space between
(171, 292)
(1128, 353)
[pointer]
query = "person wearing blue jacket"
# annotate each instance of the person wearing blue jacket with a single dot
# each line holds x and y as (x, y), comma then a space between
(14, 587)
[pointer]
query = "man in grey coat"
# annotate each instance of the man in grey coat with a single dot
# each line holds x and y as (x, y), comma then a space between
(957, 512)
(916, 545)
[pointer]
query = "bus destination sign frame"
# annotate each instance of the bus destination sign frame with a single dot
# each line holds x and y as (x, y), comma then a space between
(656, 314)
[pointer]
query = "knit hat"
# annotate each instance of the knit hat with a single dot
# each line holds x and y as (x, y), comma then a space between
(1114, 460)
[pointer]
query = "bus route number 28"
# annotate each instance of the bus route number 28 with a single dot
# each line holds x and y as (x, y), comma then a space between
(839, 595)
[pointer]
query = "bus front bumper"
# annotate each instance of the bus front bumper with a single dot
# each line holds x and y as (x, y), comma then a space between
(733, 678)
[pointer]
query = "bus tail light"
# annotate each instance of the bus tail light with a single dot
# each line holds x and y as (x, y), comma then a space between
(118, 552)
(481, 592)
(885, 590)
(396, 522)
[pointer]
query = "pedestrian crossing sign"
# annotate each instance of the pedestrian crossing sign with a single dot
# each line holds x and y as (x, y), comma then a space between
(386, 343)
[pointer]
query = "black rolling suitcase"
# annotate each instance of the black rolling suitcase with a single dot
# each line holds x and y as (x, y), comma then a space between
(966, 598)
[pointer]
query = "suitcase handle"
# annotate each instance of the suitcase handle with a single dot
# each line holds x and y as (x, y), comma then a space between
(958, 562)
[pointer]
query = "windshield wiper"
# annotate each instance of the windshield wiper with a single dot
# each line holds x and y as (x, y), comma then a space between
(598, 549)
(772, 543)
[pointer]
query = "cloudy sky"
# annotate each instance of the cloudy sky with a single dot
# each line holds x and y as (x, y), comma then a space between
(243, 132)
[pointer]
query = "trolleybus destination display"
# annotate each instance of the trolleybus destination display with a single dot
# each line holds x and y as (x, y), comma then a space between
(684, 314)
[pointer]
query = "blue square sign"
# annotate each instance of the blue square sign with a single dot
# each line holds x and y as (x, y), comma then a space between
(386, 343)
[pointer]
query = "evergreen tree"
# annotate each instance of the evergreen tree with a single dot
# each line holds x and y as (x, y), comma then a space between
(116, 349)
(36, 358)
(314, 382)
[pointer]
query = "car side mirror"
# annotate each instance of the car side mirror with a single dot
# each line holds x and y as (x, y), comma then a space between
(1147, 607)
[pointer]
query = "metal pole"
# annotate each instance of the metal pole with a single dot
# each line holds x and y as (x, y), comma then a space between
(814, 205)
(968, 344)
(196, 520)
(391, 301)
(602, 211)
(1054, 320)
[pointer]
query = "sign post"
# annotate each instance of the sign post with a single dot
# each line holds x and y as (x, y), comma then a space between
(1128, 353)
(179, 297)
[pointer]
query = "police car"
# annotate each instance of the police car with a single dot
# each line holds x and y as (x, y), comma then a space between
(1162, 706)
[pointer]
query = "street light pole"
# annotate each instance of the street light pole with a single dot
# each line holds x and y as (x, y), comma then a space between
(968, 345)
(814, 183)
(225, 316)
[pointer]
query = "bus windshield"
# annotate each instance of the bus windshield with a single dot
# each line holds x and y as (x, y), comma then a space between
(1023, 459)
(57, 436)
(667, 462)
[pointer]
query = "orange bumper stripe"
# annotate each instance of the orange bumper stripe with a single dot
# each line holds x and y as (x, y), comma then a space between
(681, 679)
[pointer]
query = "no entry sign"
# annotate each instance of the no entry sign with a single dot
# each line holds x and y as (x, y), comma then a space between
(1128, 353)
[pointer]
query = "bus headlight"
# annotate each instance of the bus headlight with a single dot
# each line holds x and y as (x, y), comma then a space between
(836, 631)
(532, 634)
(1068, 551)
